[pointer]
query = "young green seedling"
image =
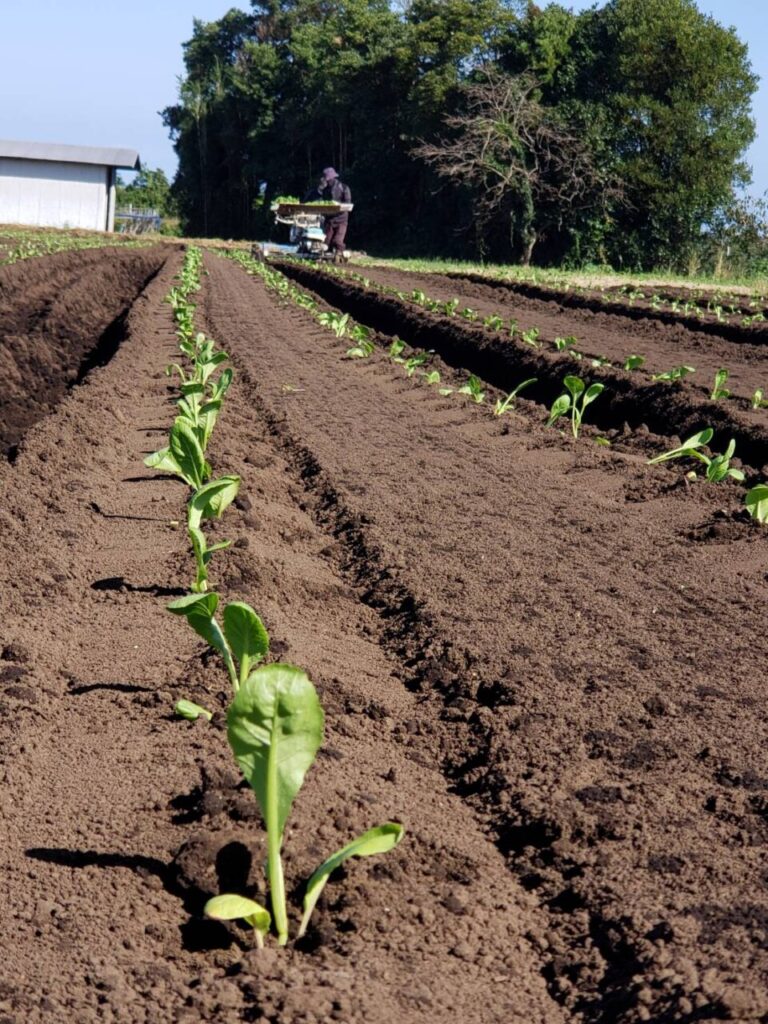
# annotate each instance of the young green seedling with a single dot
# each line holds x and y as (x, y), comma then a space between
(275, 728)
(203, 554)
(634, 362)
(395, 350)
(433, 377)
(530, 337)
(473, 388)
(756, 501)
(493, 322)
(191, 711)
(758, 402)
(381, 839)
(239, 908)
(337, 322)
(242, 642)
(563, 344)
(184, 457)
(576, 400)
(505, 404)
(718, 466)
(718, 391)
(675, 374)
(363, 346)
(414, 362)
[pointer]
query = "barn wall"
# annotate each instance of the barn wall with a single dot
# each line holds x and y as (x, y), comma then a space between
(51, 194)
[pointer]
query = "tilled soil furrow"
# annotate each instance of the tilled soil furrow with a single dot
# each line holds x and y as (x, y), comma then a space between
(666, 409)
(52, 336)
(121, 820)
(603, 647)
(605, 334)
(748, 335)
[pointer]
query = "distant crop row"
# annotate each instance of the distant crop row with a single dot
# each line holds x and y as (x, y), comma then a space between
(29, 245)
(275, 721)
(577, 394)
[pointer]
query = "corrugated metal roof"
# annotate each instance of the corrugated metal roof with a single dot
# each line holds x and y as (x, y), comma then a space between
(107, 156)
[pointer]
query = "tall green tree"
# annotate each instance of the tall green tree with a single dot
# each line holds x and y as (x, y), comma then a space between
(656, 93)
(677, 89)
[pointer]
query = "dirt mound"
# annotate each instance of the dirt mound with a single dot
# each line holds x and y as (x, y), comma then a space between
(59, 316)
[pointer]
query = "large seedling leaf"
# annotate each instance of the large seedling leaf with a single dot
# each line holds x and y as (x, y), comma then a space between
(186, 449)
(246, 636)
(376, 840)
(757, 502)
(275, 727)
(212, 499)
(164, 461)
(199, 611)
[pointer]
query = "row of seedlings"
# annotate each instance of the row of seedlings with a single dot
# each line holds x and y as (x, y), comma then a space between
(275, 721)
(578, 395)
(31, 246)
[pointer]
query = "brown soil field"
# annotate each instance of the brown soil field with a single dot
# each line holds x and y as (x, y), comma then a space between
(614, 332)
(545, 658)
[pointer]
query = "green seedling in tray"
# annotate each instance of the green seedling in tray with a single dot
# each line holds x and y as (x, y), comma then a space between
(718, 466)
(576, 399)
(275, 728)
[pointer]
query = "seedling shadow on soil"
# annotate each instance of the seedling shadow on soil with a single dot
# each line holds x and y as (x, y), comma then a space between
(78, 691)
(198, 935)
(119, 584)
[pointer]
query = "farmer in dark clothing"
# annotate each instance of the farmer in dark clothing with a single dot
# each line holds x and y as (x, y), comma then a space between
(333, 190)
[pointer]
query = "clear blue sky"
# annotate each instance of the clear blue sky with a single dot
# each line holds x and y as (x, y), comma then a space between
(97, 74)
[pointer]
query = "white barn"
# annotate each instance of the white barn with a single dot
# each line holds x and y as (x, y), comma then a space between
(58, 186)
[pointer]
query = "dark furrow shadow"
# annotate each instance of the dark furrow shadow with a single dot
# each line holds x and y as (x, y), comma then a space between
(198, 934)
(115, 687)
(148, 479)
(95, 507)
(119, 583)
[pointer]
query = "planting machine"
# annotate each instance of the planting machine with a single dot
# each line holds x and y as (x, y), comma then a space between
(307, 235)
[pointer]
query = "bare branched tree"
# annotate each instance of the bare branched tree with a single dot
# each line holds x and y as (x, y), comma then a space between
(518, 157)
